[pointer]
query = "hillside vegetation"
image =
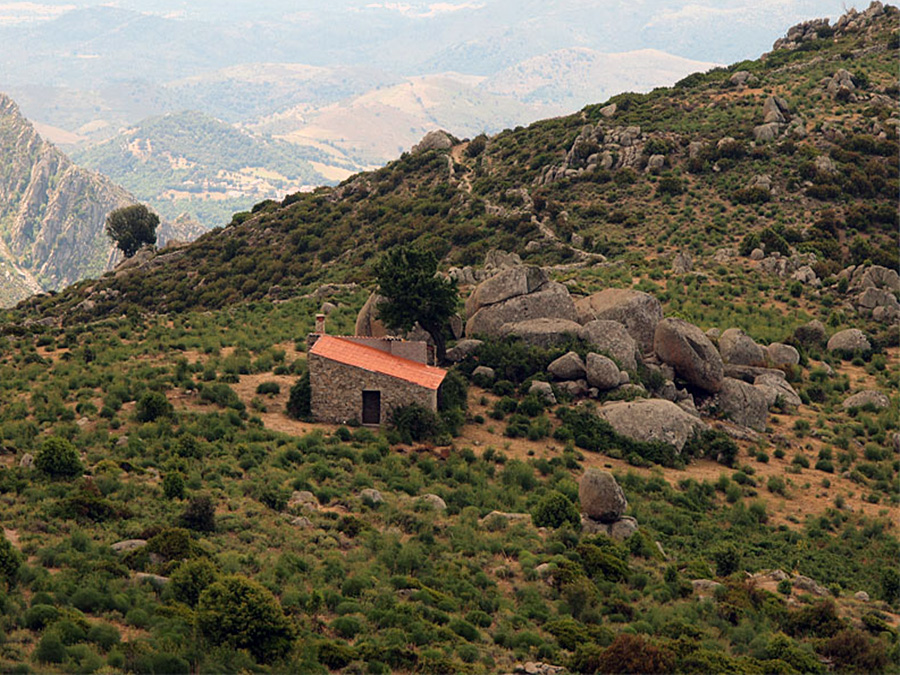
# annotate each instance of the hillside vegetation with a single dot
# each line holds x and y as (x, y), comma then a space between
(163, 513)
(192, 163)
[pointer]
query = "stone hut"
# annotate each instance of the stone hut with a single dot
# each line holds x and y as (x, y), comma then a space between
(364, 379)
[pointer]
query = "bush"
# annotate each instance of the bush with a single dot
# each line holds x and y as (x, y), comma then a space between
(50, 649)
(268, 388)
(634, 654)
(299, 405)
(890, 585)
(151, 406)
(58, 458)
(173, 485)
(191, 578)
(727, 559)
(415, 423)
(553, 510)
(9, 561)
(199, 515)
(241, 614)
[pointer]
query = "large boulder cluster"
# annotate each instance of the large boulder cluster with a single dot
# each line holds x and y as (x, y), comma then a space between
(690, 371)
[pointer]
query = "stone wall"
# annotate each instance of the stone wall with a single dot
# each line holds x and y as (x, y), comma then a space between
(337, 391)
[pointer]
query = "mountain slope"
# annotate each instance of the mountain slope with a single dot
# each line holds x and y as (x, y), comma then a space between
(194, 163)
(697, 167)
(52, 214)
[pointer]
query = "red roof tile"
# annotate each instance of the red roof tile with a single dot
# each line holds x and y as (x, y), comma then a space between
(377, 361)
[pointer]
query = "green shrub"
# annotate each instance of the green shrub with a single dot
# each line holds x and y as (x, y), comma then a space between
(151, 406)
(40, 616)
(10, 561)
(241, 614)
(173, 485)
(199, 515)
(347, 626)
(50, 649)
(268, 388)
(553, 510)
(727, 559)
(415, 423)
(58, 458)
(299, 405)
(191, 578)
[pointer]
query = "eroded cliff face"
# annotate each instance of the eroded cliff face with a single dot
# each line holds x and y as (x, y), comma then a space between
(52, 213)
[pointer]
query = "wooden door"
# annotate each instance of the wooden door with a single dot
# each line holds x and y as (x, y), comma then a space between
(371, 407)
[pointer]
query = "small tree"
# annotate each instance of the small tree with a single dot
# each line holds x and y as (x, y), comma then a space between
(9, 561)
(132, 227)
(58, 458)
(242, 614)
(553, 510)
(413, 292)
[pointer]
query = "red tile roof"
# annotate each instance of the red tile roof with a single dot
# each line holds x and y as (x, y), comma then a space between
(377, 361)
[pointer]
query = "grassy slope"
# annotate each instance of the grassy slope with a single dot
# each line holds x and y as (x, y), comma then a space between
(401, 586)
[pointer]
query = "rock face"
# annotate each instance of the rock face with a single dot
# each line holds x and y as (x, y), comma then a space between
(602, 372)
(462, 349)
(542, 332)
(639, 312)
(744, 403)
(367, 322)
(773, 386)
(509, 283)
(601, 497)
(435, 502)
(543, 390)
(850, 340)
(651, 420)
(775, 109)
(781, 354)
(737, 347)
(869, 397)
(687, 349)
(54, 213)
(433, 140)
(567, 367)
(812, 333)
(515, 295)
(613, 338)
(683, 263)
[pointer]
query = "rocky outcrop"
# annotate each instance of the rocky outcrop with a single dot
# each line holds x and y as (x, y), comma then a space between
(367, 322)
(738, 348)
(602, 372)
(868, 398)
(433, 140)
(811, 334)
(780, 354)
(612, 338)
(569, 366)
(774, 387)
(515, 295)
(651, 420)
(687, 349)
(544, 333)
(601, 497)
(53, 213)
(462, 349)
(639, 312)
(544, 391)
(682, 263)
(743, 403)
(849, 341)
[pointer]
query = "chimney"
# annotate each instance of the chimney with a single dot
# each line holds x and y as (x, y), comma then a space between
(320, 324)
